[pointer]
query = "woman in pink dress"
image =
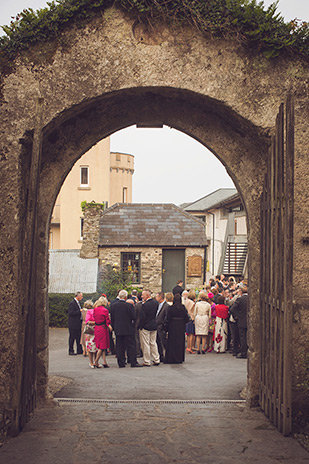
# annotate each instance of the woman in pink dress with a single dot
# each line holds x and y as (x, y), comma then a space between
(101, 328)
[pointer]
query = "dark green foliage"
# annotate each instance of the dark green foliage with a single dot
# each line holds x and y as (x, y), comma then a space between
(263, 30)
(92, 204)
(58, 306)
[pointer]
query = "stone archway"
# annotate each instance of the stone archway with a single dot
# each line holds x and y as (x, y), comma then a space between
(104, 80)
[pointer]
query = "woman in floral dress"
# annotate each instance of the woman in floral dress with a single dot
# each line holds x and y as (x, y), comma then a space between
(220, 339)
(90, 343)
(87, 305)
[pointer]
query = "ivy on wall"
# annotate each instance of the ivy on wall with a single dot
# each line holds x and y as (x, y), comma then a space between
(92, 205)
(261, 29)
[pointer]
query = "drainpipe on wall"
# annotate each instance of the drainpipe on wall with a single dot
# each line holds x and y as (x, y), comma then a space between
(205, 257)
(213, 242)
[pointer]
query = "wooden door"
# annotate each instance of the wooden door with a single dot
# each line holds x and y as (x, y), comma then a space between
(276, 273)
(173, 268)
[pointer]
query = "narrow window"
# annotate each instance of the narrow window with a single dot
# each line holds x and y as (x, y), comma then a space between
(84, 176)
(124, 195)
(118, 157)
(130, 262)
(81, 228)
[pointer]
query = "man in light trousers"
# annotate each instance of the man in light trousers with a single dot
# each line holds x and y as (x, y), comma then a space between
(148, 330)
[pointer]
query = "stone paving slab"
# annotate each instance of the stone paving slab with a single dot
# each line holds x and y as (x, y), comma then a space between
(151, 434)
(143, 433)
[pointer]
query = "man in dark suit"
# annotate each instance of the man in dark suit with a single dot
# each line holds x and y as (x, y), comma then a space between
(160, 319)
(138, 310)
(148, 330)
(178, 288)
(239, 312)
(75, 324)
(122, 319)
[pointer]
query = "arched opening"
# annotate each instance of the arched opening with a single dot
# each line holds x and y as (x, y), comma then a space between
(135, 387)
(236, 142)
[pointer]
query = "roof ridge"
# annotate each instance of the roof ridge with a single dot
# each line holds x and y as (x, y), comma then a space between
(211, 193)
(190, 216)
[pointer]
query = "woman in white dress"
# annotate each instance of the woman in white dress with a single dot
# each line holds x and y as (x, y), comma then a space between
(220, 338)
(202, 313)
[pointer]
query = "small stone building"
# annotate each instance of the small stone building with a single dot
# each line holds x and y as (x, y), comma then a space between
(157, 244)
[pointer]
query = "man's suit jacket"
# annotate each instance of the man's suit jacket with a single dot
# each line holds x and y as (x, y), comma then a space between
(138, 310)
(122, 317)
(177, 289)
(239, 310)
(74, 315)
(160, 318)
(148, 315)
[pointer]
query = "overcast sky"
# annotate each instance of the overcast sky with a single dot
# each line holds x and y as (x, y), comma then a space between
(164, 158)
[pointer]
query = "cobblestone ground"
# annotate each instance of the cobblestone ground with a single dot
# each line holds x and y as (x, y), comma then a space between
(148, 430)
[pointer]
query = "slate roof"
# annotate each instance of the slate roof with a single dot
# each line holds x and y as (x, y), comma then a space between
(68, 273)
(211, 200)
(157, 225)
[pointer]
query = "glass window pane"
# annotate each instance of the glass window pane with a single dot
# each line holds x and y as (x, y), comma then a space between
(84, 176)
(130, 262)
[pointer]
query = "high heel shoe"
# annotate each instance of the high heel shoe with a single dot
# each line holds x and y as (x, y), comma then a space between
(105, 366)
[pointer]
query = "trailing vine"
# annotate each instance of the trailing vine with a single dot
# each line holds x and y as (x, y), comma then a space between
(262, 29)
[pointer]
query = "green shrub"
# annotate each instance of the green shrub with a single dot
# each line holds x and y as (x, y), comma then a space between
(114, 279)
(58, 307)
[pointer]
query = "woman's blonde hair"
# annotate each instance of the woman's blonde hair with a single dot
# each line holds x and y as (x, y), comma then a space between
(203, 296)
(102, 301)
(169, 297)
(192, 295)
(88, 304)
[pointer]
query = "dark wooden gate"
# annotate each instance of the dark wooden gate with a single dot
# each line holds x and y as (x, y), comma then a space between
(276, 273)
(28, 387)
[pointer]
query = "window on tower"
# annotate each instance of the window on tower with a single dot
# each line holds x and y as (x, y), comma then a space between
(84, 176)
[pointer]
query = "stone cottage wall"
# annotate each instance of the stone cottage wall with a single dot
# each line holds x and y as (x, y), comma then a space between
(151, 264)
(194, 282)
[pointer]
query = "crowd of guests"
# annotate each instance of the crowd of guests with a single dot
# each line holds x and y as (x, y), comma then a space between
(156, 327)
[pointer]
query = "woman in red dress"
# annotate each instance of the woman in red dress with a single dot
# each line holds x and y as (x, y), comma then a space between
(101, 328)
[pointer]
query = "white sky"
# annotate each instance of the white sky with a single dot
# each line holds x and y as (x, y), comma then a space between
(165, 177)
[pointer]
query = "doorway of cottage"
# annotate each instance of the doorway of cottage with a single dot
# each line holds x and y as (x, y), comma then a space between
(173, 268)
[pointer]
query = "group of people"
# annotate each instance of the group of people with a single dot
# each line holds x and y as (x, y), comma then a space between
(218, 317)
(154, 326)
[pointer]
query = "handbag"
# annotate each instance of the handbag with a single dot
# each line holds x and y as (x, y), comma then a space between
(89, 329)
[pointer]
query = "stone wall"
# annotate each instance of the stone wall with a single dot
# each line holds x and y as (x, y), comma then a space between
(151, 264)
(194, 282)
(230, 107)
(89, 248)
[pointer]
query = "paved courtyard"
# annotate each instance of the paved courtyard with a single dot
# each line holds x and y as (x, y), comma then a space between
(116, 416)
